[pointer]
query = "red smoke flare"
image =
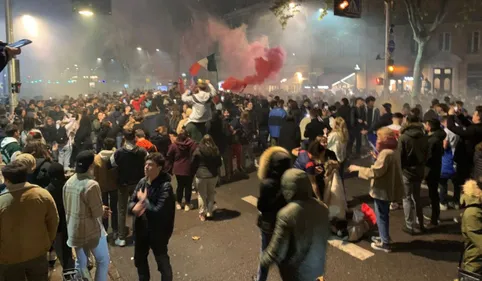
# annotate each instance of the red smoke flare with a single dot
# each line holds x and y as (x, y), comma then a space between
(266, 67)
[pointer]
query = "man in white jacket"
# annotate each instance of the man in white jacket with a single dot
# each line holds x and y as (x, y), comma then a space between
(200, 99)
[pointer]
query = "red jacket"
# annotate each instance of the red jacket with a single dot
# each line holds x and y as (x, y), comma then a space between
(179, 157)
(147, 145)
(136, 104)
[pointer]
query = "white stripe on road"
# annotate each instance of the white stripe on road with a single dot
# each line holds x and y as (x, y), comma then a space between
(347, 247)
(449, 192)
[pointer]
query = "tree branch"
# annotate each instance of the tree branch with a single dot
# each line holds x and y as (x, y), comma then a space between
(409, 5)
(442, 13)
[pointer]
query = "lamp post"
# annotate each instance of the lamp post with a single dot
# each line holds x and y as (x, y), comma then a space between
(13, 77)
(357, 69)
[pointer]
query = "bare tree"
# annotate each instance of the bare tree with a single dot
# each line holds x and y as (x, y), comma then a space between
(422, 33)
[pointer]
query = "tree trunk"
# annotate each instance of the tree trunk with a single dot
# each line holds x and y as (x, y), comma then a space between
(417, 72)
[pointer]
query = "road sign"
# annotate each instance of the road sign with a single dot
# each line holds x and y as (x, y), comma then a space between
(391, 46)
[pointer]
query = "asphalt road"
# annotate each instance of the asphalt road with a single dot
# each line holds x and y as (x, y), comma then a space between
(228, 247)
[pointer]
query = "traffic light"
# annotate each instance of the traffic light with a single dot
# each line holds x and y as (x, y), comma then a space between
(391, 68)
(347, 8)
(101, 7)
(379, 81)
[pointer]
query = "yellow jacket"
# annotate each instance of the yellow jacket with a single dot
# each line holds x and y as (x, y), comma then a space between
(28, 222)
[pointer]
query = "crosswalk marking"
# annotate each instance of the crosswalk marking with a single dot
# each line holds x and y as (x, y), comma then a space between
(347, 247)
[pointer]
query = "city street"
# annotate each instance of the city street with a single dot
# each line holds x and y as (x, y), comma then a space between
(228, 247)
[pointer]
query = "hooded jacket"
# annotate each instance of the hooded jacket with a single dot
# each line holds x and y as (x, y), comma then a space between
(130, 162)
(107, 178)
(272, 164)
(472, 227)
(413, 145)
(201, 104)
(205, 163)
(299, 241)
(179, 157)
(435, 153)
(9, 148)
(158, 220)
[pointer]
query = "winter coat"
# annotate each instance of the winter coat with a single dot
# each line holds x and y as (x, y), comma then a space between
(314, 128)
(107, 178)
(130, 161)
(470, 135)
(299, 242)
(272, 164)
(386, 176)
(152, 121)
(147, 145)
(290, 136)
(413, 145)
(345, 112)
(49, 133)
(205, 164)
(162, 143)
(371, 124)
(472, 228)
(40, 175)
(201, 105)
(275, 120)
(56, 190)
(157, 222)
(435, 153)
(218, 132)
(179, 157)
(477, 171)
(29, 220)
(335, 145)
(384, 121)
(9, 148)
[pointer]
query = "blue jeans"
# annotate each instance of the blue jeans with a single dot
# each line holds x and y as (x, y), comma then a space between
(262, 271)
(382, 211)
(102, 260)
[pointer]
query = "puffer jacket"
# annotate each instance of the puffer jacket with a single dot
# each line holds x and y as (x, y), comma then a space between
(413, 145)
(299, 241)
(472, 227)
(272, 164)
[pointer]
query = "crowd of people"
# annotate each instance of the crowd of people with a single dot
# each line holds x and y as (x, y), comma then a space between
(74, 169)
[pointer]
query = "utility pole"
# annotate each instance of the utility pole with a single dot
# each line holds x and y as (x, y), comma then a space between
(12, 68)
(386, 80)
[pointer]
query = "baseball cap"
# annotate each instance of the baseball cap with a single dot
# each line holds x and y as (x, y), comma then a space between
(83, 161)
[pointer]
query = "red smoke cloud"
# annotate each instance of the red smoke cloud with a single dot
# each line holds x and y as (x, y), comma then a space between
(266, 67)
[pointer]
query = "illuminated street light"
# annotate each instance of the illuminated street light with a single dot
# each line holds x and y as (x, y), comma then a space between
(344, 4)
(139, 48)
(30, 25)
(86, 13)
(75, 65)
(157, 50)
(99, 59)
(283, 80)
(294, 54)
(299, 75)
(183, 75)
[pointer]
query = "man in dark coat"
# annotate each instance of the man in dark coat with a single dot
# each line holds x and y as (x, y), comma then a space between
(153, 205)
(436, 136)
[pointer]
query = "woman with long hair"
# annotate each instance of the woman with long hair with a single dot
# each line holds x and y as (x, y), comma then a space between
(337, 142)
(174, 120)
(82, 139)
(206, 163)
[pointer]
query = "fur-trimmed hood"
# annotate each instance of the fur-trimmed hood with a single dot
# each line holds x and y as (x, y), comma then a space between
(472, 193)
(273, 163)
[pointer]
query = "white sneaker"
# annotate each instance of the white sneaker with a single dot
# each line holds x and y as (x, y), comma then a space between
(120, 243)
(444, 207)
(178, 206)
(187, 208)
(394, 206)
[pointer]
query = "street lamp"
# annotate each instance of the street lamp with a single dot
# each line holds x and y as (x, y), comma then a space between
(139, 48)
(30, 25)
(183, 75)
(99, 59)
(299, 75)
(86, 13)
(157, 50)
